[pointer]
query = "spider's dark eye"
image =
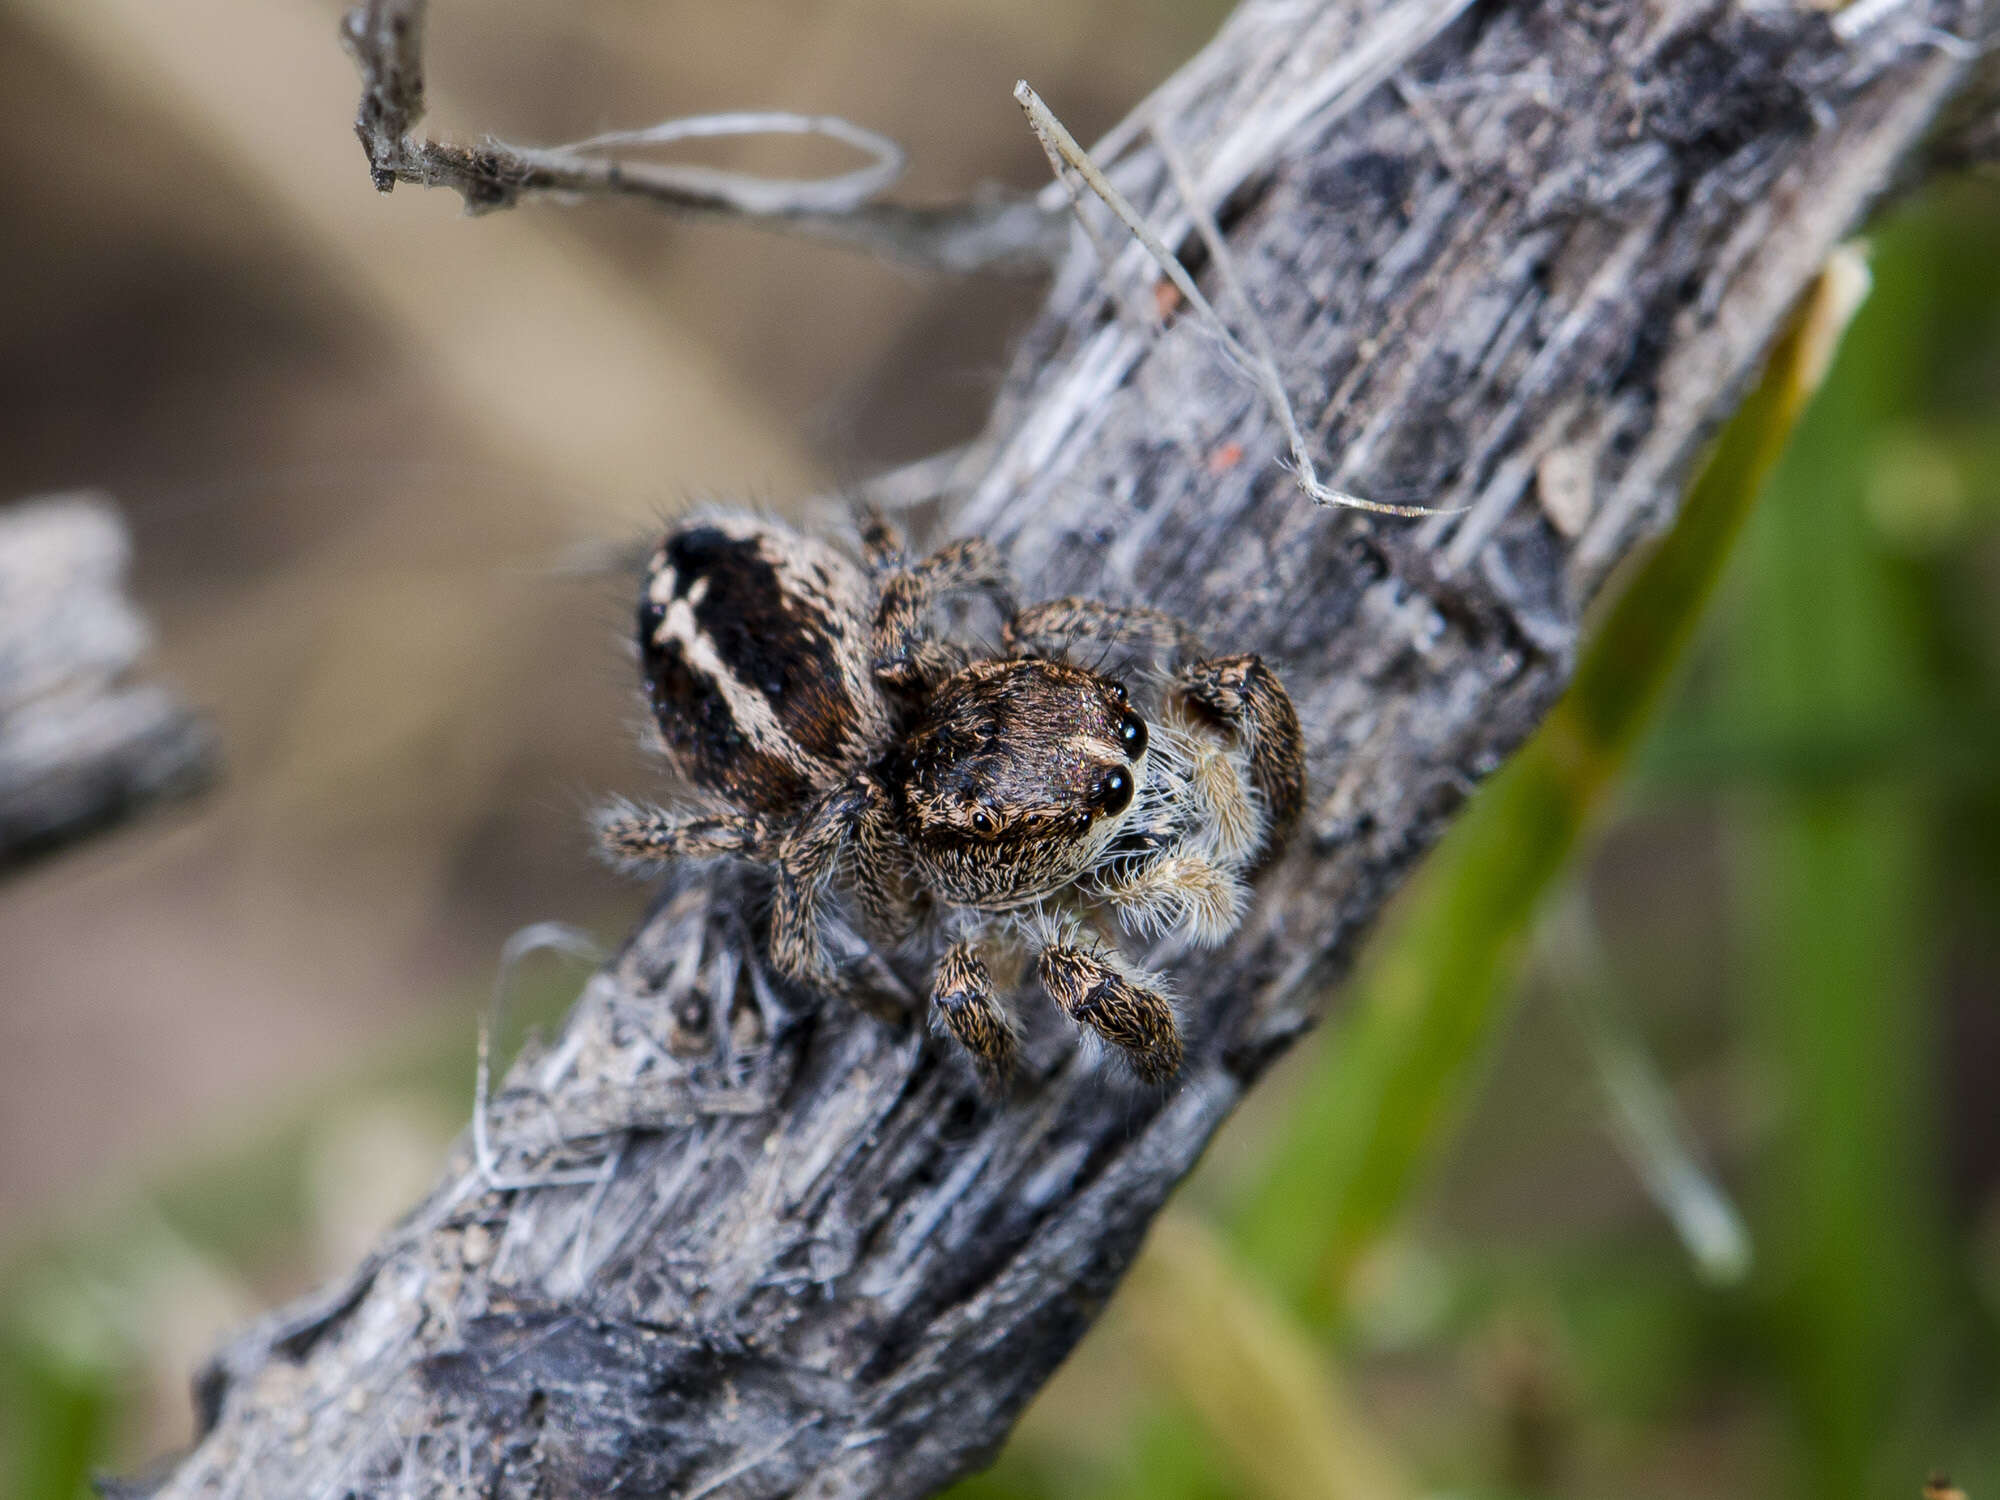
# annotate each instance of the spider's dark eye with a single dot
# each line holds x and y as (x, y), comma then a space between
(1132, 735)
(1113, 793)
(981, 822)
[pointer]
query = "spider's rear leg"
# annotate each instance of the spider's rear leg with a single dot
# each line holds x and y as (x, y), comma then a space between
(963, 997)
(1133, 1017)
(1241, 695)
(649, 835)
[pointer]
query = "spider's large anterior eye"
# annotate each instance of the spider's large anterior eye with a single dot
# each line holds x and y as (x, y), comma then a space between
(1113, 794)
(1132, 735)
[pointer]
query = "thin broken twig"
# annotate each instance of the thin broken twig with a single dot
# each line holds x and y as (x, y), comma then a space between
(997, 231)
(743, 192)
(1261, 366)
(556, 937)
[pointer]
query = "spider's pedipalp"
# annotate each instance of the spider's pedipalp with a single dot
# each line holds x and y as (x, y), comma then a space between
(1218, 810)
(1177, 893)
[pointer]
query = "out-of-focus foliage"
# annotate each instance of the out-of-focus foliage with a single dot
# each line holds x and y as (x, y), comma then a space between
(1791, 905)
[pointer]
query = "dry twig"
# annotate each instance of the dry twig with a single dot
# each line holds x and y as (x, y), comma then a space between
(998, 231)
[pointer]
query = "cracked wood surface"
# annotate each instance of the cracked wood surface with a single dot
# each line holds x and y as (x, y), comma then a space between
(1517, 257)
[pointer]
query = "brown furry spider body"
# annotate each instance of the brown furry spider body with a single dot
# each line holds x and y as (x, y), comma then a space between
(849, 748)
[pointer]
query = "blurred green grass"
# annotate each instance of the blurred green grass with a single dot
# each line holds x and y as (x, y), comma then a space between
(1833, 743)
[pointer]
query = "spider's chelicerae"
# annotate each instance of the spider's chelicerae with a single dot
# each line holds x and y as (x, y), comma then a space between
(994, 804)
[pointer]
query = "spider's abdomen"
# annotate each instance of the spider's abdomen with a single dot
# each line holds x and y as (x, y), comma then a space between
(754, 648)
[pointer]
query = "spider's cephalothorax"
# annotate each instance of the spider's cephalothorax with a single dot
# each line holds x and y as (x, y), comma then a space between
(1013, 781)
(847, 747)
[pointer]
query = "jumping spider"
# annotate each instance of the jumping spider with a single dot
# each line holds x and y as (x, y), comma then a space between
(848, 746)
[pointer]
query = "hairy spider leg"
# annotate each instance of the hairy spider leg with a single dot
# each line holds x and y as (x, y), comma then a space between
(1093, 989)
(882, 881)
(1242, 695)
(881, 541)
(645, 835)
(1053, 628)
(907, 658)
(806, 859)
(964, 999)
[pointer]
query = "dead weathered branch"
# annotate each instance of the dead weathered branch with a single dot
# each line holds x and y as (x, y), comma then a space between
(806, 1255)
(996, 231)
(82, 744)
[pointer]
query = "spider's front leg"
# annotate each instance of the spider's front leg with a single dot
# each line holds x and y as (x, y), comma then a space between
(1094, 990)
(963, 997)
(851, 817)
(907, 658)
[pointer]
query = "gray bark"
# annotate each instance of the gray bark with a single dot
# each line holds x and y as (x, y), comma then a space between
(1494, 244)
(83, 744)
